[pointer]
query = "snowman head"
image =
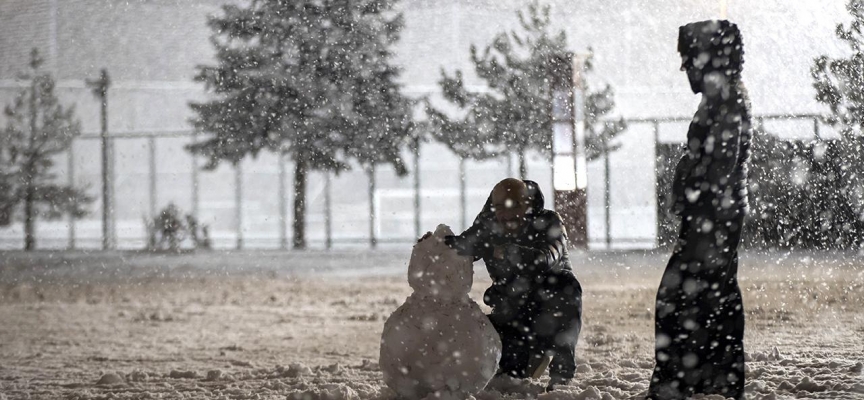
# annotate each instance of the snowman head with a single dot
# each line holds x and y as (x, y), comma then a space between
(437, 271)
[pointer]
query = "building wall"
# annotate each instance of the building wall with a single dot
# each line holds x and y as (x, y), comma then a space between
(24, 24)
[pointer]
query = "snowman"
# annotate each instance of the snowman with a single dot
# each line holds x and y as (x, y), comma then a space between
(439, 343)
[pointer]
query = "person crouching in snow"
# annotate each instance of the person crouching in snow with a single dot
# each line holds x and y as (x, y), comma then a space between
(699, 323)
(535, 298)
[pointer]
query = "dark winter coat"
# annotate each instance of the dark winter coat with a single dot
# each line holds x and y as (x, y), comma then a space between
(532, 256)
(711, 177)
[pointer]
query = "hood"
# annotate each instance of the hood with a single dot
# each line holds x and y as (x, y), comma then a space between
(536, 199)
(713, 45)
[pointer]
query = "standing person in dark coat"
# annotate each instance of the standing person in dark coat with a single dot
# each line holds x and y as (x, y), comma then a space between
(535, 298)
(700, 316)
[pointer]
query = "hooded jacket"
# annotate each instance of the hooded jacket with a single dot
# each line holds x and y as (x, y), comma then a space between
(711, 178)
(531, 256)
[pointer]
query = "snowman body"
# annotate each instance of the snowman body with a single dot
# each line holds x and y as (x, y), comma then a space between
(439, 342)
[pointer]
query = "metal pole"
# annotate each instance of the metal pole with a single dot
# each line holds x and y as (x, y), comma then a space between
(578, 213)
(656, 135)
(607, 203)
(100, 90)
(417, 187)
(238, 202)
(283, 204)
(151, 145)
(71, 178)
(657, 214)
(555, 206)
(373, 241)
(112, 211)
(579, 121)
(106, 178)
(328, 213)
(816, 133)
(462, 195)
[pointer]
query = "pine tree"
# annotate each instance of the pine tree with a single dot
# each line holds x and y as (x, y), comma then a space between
(514, 115)
(308, 78)
(378, 125)
(38, 128)
(839, 84)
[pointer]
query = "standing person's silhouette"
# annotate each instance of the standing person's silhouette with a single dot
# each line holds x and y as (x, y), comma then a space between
(699, 319)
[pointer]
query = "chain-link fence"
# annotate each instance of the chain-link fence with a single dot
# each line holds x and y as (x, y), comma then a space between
(250, 204)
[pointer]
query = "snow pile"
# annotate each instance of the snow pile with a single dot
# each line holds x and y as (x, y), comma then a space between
(439, 343)
(110, 379)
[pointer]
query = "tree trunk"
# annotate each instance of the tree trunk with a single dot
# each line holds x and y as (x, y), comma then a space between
(29, 221)
(30, 175)
(373, 241)
(463, 197)
(299, 225)
(523, 169)
(283, 205)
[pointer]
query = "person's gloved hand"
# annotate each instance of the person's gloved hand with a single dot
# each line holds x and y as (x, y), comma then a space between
(450, 241)
(454, 243)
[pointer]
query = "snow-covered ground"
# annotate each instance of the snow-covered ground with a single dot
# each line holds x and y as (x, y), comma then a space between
(307, 325)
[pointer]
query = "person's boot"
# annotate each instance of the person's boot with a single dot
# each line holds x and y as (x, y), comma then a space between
(555, 382)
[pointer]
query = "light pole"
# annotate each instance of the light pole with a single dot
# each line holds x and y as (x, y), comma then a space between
(568, 139)
(100, 90)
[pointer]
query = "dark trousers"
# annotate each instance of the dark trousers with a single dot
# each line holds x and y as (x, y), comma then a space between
(545, 319)
(699, 322)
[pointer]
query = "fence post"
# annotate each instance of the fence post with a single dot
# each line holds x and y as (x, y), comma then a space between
(151, 150)
(112, 210)
(283, 204)
(195, 201)
(71, 178)
(328, 213)
(607, 202)
(238, 201)
(816, 134)
(462, 195)
(657, 212)
(417, 187)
